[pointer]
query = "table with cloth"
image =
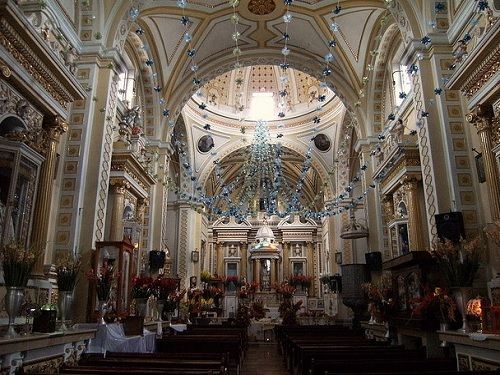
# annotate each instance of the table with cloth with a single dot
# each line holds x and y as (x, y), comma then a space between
(111, 338)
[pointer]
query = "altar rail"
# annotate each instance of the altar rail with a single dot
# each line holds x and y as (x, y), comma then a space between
(42, 352)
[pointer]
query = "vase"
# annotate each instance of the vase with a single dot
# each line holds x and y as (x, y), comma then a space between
(102, 310)
(64, 304)
(160, 305)
(141, 306)
(461, 295)
(13, 300)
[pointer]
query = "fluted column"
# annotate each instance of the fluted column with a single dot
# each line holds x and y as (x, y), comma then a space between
(410, 186)
(116, 226)
(141, 207)
(220, 259)
(286, 259)
(55, 126)
(244, 249)
(310, 264)
(482, 119)
(257, 272)
(274, 276)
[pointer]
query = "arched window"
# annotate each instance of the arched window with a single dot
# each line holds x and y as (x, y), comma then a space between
(127, 86)
(401, 83)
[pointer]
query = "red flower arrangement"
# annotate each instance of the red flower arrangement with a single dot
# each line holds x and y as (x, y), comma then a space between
(435, 305)
(102, 280)
(302, 280)
(284, 289)
(142, 287)
(247, 290)
(163, 287)
(232, 280)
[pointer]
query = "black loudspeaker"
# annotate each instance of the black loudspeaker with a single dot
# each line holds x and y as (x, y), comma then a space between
(44, 321)
(450, 226)
(374, 261)
(156, 259)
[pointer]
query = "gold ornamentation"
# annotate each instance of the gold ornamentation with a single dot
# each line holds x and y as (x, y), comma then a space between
(19, 49)
(261, 7)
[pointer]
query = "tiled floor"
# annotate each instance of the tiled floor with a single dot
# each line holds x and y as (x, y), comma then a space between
(263, 359)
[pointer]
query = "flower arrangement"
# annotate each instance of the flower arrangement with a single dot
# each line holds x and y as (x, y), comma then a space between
(163, 287)
(232, 280)
(142, 287)
(285, 290)
(248, 290)
(206, 276)
(67, 270)
(17, 264)
(325, 279)
(382, 296)
(173, 300)
(288, 311)
(103, 279)
(436, 304)
(212, 292)
(257, 309)
(300, 280)
(458, 263)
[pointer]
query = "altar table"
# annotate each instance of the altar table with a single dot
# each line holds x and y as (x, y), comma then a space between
(111, 338)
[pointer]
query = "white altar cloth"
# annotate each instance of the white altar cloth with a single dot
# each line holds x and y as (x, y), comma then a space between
(111, 338)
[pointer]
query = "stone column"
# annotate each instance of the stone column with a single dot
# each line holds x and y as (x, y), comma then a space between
(256, 272)
(286, 259)
(55, 126)
(116, 226)
(244, 250)
(410, 186)
(141, 207)
(220, 259)
(482, 119)
(274, 278)
(310, 265)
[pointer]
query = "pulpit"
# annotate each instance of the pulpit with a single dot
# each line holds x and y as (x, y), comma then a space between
(118, 255)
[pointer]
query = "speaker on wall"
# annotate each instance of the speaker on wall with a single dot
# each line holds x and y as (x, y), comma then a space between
(374, 261)
(450, 226)
(156, 259)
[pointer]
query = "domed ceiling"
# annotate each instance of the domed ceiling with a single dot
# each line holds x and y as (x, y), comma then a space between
(263, 92)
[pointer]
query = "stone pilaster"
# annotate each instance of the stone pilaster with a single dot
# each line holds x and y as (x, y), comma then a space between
(310, 265)
(482, 119)
(417, 243)
(220, 259)
(55, 126)
(116, 226)
(286, 259)
(244, 254)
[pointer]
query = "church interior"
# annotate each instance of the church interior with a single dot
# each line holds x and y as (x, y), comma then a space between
(250, 186)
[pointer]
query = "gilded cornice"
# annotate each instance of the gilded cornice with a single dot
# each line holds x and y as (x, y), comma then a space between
(481, 65)
(27, 48)
(126, 162)
(404, 158)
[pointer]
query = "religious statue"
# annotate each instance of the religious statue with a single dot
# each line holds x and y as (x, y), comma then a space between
(70, 56)
(132, 117)
(398, 130)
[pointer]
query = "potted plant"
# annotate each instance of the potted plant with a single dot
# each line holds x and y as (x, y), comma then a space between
(458, 264)
(141, 291)
(67, 270)
(17, 266)
(435, 307)
(102, 280)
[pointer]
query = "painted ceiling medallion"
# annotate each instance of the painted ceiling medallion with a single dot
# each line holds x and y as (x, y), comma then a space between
(261, 7)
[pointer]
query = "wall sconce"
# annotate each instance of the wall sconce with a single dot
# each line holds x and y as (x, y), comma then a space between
(195, 256)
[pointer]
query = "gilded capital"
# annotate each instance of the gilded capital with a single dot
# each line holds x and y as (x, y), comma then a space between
(55, 126)
(481, 117)
(119, 186)
(410, 183)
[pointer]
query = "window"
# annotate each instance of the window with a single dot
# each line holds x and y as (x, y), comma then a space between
(298, 268)
(401, 83)
(232, 269)
(262, 106)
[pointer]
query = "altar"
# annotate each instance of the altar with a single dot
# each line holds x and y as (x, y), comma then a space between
(111, 338)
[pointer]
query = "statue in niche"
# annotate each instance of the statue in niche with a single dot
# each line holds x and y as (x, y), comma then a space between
(70, 56)
(397, 131)
(132, 117)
